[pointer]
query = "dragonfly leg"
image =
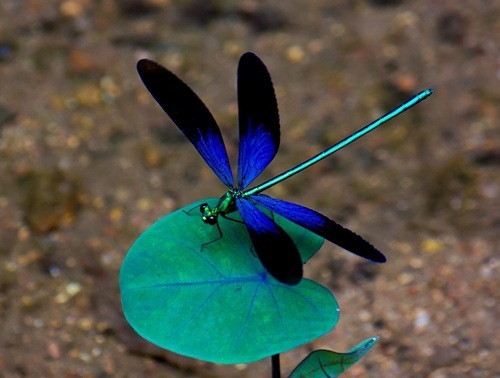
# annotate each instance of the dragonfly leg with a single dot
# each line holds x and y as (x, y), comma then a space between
(252, 250)
(213, 241)
(231, 219)
(191, 210)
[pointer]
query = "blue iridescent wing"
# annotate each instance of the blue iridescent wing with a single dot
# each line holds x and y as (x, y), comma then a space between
(274, 247)
(322, 226)
(259, 126)
(190, 115)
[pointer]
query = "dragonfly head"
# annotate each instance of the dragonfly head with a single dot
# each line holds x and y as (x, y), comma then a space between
(208, 215)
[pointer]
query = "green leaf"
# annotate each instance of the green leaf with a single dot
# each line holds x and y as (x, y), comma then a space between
(328, 364)
(215, 301)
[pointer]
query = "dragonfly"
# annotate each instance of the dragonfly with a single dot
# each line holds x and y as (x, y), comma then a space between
(259, 139)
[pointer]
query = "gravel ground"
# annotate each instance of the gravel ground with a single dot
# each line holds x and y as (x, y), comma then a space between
(88, 161)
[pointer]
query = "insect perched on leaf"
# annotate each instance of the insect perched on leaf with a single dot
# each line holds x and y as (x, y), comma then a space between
(259, 131)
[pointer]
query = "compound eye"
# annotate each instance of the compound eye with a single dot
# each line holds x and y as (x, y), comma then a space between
(203, 206)
(211, 220)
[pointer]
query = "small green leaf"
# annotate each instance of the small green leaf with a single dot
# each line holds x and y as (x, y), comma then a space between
(328, 364)
(215, 301)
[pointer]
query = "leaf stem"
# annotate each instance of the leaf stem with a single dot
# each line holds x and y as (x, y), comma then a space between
(275, 361)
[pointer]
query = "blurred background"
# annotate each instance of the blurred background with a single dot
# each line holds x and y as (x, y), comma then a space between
(88, 161)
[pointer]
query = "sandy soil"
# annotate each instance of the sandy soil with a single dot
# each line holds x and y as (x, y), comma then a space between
(88, 161)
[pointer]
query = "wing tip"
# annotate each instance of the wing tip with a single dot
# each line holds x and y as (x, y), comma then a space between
(380, 259)
(149, 71)
(145, 64)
